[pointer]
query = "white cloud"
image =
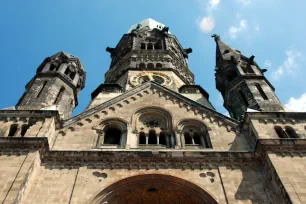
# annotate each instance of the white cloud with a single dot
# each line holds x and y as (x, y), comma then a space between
(206, 24)
(298, 105)
(244, 2)
(213, 4)
(234, 31)
(267, 64)
(289, 65)
(257, 28)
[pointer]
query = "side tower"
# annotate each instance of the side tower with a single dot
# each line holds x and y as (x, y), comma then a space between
(56, 85)
(242, 82)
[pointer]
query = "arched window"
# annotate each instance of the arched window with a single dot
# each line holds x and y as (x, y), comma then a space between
(154, 127)
(41, 89)
(112, 136)
(188, 138)
(195, 134)
(262, 93)
(59, 95)
(142, 65)
(150, 46)
(159, 65)
(152, 137)
(157, 46)
(162, 138)
(143, 46)
(54, 67)
(196, 138)
(244, 99)
(13, 130)
(71, 74)
(280, 132)
(24, 129)
(291, 132)
(142, 138)
(150, 66)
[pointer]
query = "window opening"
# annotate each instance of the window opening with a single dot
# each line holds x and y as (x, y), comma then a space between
(157, 46)
(188, 139)
(159, 65)
(13, 130)
(280, 132)
(112, 136)
(262, 93)
(150, 66)
(41, 89)
(143, 46)
(150, 46)
(59, 95)
(142, 138)
(291, 132)
(54, 67)
(196, 138)
(24, 129)
(152, 137)
(162, 138)
(142, 65)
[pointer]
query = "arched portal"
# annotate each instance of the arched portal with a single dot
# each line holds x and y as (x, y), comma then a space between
(153, 189)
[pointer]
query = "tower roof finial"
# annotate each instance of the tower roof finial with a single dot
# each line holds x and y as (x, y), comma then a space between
(216, 37)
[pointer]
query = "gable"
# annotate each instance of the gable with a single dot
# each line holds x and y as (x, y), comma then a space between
(151, 94)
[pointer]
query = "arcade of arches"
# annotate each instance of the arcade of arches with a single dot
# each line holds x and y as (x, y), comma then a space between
(153, 189)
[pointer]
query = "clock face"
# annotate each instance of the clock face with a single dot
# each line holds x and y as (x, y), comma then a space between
(159, 78)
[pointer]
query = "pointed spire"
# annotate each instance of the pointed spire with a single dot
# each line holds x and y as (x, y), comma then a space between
(225, 51)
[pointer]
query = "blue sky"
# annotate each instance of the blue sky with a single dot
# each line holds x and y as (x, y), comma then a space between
(272, 30)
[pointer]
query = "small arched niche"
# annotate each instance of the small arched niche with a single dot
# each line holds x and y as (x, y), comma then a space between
(112, 134)
(194, 134)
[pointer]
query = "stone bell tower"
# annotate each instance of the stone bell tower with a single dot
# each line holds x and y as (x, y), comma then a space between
(149, 52)
(56, 85)
(242, 82)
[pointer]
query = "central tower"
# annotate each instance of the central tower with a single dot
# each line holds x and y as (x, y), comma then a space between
(149, 52)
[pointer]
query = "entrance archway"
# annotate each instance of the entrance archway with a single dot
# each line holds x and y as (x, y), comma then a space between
(153, 189)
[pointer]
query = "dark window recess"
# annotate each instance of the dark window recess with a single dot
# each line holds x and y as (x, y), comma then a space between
(244, 99)
(70, 73)
(231, 75)
(250, 69)
(143, 46)
(291, 132)
(112, 136)
(142, 65)
(150, 46)
(262, 93)
(152, 137)
(150, 66)
(159, 65)
(13, 130)
(142, 138)
(41, 89)
(54, 67)
(196, 138)
(162, 138)
(280, 132)
(59, 95)
(187, 137)
(24, 129)
(157, 46)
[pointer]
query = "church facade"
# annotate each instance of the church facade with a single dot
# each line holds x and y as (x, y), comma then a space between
(150, 134)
